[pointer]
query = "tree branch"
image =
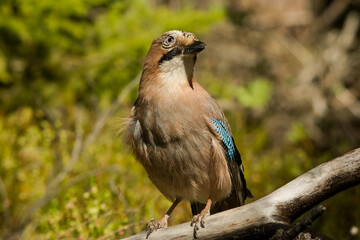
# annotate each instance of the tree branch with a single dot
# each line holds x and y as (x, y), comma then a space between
(261, 219)
(299, 227)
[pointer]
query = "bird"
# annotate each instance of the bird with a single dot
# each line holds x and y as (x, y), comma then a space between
(181, 136)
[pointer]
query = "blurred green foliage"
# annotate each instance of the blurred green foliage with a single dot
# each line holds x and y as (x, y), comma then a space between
(62, 64)
(256, 94)
(90, 48)
(68, 75)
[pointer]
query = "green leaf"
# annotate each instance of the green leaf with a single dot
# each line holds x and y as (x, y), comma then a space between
(256, 94)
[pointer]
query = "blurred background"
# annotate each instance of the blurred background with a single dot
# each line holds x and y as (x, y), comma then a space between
(286, 74)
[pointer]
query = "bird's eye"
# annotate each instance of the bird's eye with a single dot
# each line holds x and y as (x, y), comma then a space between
(168, 41)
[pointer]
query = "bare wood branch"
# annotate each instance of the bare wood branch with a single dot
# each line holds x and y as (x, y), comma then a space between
(261, 219)
(299, 227)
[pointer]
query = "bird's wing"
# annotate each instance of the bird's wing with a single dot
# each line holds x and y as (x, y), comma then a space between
(239, 191)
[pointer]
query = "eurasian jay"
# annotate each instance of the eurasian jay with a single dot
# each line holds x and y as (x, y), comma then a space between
(181, 136)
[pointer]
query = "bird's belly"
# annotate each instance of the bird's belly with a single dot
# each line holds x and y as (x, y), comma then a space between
(181, 170)
(185, 181)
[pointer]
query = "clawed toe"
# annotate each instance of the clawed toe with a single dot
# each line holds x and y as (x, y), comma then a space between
(155, 225)
(197, 220)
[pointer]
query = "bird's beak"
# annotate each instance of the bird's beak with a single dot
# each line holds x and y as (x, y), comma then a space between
(196, 47)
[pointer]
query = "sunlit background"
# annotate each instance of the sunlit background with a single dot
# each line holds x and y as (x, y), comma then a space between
(286, 74)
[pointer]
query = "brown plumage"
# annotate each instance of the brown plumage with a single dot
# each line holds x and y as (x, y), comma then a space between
(172, 133)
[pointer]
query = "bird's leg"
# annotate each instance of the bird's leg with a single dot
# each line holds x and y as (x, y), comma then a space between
(200, 218)
(162, 223)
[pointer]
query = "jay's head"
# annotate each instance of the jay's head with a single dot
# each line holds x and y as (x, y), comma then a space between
(173, 55)
(179, 44)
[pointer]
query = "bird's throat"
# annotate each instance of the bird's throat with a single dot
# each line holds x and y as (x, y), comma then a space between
(178, 70)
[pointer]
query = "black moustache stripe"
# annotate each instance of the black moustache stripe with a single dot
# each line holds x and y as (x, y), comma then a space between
(170, 55)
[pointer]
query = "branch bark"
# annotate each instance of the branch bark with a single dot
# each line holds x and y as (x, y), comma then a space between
(261, 219)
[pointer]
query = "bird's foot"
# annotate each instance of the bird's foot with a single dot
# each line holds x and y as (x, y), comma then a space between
(155, 225)
(199, 219)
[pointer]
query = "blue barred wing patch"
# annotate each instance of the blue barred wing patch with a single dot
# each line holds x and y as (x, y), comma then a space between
(226, 138)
